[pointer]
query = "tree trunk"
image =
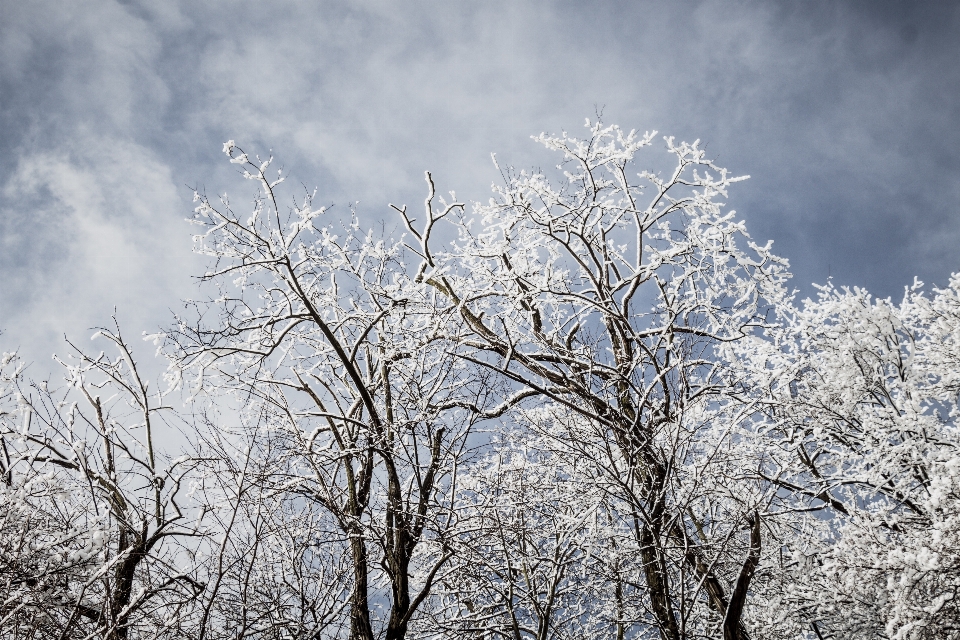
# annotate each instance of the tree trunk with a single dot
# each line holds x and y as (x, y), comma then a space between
(397, 626)
(360, 628)
(655, 573)
(123, 587)
(733, 628)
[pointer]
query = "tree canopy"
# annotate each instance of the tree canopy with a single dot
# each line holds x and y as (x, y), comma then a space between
(588, 408)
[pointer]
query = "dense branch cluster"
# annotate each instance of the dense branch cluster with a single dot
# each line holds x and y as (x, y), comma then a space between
(589, 408)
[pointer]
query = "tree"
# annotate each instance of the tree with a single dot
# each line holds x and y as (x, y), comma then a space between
(859, 425)
(588, 408)
(332, 347)
(371, 359)
(93, 525)
(607, 299)
(276, 565)
(544, 554)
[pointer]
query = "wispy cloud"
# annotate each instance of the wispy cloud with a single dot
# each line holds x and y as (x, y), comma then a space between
(844, 114)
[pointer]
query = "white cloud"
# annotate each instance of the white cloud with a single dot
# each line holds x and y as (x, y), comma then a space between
(111, 107)
(119, 241)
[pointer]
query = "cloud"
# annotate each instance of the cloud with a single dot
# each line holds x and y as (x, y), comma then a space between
(844, 114)
(96, 237)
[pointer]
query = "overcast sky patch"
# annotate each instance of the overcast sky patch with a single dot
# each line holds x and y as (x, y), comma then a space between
(844, 114)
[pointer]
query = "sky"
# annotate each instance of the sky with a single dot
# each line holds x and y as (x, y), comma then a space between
(844, 114)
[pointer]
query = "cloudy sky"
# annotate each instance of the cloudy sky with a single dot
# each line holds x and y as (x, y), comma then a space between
(845, 114)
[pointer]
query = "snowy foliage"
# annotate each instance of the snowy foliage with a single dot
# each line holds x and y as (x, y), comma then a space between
(860, 428)
(92, 530)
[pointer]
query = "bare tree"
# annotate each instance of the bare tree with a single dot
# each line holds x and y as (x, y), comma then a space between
(543, 556)
(371, 360)
(94, 523)
(276, 565)
(608, 299)
(588, 408)
(345, 358)
(859, 403)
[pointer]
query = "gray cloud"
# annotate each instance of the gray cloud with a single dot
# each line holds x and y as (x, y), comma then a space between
(845, 115)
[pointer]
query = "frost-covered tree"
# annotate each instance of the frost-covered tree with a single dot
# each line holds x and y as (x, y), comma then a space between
(94, 537)
(589, 314)
(859, 427)
(322, 334)
(275, 565)
(606, 297)
(545, 553)
(588, 408)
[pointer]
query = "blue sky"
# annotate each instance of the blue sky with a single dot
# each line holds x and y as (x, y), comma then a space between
(845, 114)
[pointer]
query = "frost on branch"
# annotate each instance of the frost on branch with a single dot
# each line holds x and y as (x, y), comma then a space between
(606, 295)
(860, 427)
(594, 307)
(91, 516)
(343, 362)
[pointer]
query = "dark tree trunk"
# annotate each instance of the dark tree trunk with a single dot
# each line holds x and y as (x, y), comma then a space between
(733, 628)
(360, 628)
(397, 626)
(123, 587)
(655, 572)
